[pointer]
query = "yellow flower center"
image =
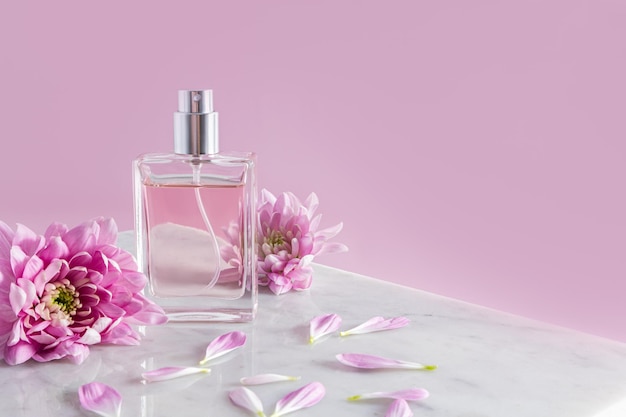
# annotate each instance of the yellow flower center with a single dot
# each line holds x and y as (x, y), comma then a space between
(275, 238)
(65, 299)
(59, 302)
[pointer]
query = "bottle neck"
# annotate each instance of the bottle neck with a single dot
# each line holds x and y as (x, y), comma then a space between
(196, 133)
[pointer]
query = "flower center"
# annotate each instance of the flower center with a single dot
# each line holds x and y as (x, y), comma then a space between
(60, 302)
(275, 238)
(65, 299)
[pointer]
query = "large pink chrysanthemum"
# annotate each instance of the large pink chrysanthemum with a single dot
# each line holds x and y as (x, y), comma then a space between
(66, 290)
(288, 241)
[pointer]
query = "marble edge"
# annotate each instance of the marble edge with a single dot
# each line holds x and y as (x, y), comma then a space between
(490, 310)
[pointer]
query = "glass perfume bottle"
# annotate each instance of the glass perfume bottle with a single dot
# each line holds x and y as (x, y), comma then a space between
(195, 219)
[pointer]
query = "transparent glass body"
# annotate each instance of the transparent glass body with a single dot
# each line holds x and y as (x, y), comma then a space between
(195, 219)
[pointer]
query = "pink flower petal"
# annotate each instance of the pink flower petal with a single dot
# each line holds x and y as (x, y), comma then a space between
(295, 247)
(376, 324)
(107, 233)
(32, 267)
(6, 237)
(90, 337)
(330, 232)
(133, 280)
(81, 238)
(266, 379)
(120, 333)
(307, 396)
(171, 372)
(268, 197)
(76, 353)
(323, 325)
(28, 240)
(55, 249)
(413, 394)
(282, 204)
(6, 241)
(399, 408)
(311, 203)
(315, 222)
(16, 333)
(102, 324)
(101, 399)
(19, 353)
(280, 289)
(223, 344)
(18, 260)
(305, 261)
(246, 398)
(29, 287)
(332, 247)
(151, 313)
(111, 310)
(17, 298)
(43, 277)
(306, 245)
(55, 229)
(274, 223)
(302, 280)
(364, 361)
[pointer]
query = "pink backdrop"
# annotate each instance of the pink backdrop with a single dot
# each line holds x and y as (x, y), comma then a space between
(473, 149)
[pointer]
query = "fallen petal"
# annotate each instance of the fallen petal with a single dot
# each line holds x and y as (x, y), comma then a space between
(399, 408)
(363, 361)
(377, 324)
(304, 397)
(413, 394)
(171, 372)
(266, 379)
(101, 399)
(223, 344)
(246, 398)
(323, 325)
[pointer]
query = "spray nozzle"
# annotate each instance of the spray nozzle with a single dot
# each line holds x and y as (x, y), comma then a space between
(195, 123)
(195, 101)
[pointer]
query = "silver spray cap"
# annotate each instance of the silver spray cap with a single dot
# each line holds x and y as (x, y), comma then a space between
(195, 123)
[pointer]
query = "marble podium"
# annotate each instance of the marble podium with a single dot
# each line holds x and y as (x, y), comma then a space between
(491, 364)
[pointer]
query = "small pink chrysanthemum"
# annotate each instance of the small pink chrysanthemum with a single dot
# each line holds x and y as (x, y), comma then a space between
(67, 290)
(288, 241)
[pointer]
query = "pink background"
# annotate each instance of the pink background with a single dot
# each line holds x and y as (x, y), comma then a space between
(474, 149)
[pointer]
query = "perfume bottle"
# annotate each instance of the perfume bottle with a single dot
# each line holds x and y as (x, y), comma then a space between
(195, 219)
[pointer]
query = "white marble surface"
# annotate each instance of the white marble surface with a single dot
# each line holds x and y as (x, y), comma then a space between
(490, 364)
